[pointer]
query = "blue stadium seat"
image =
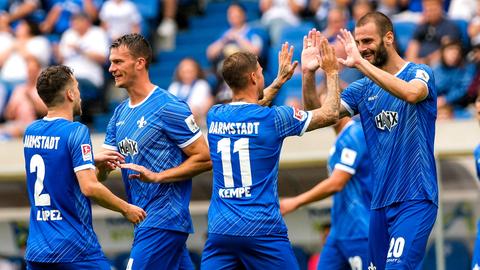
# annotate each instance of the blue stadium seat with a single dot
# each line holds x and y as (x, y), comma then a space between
(403, 34)
(456, 256)
(149, 9)
(291, 89)
(463, 27)
(295, 33)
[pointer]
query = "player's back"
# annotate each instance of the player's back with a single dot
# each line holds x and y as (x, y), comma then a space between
(245, 141)
(60, 218)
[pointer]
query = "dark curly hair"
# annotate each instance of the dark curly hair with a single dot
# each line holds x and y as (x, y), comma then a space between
(51, 82)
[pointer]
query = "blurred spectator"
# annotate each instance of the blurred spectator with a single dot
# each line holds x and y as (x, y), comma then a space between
(84, 48)
(462, 9)
(336, 20)
(120, 17)
(189, 85)
(430, 34)
(361, 8)
(27, 43)
(278, 14)
(167, 29)
(452, 79)
(59, 16)
(388, 7)
(25, 105)
(240, 37)
(24, 9)
(474, 27)
(321, 9)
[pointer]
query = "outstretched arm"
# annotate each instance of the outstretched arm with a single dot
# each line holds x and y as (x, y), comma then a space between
(322, 190)
(412, 92)
(198, 161)
(285, 71)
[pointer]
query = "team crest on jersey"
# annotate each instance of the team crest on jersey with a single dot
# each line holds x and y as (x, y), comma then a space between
(192, 125)
(128, 147)
(299, 114)
(86, 152)
(386, 120)
(142, 122)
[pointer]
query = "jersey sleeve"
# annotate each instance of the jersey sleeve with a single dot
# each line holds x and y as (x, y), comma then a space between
(351, 154)
(290, 121)
(179, 124)
(110, 140)
(352, 95)
(80, 147)
(424, 74)
(476, 155)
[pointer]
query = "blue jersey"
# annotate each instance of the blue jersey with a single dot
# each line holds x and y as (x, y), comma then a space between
(351, 206)
(152, 134)
(476, 155)
(60, 217)
(400, 137)
(245, 141)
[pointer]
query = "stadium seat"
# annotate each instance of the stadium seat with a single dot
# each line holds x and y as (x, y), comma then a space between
(456, 256)
(403, 34)
(463, 28)
(295, 33)
(148, 8)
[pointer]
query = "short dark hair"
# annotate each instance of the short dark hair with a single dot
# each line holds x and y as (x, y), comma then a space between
(137, 45)
(383, 23)
(51, 82)
(236, 68)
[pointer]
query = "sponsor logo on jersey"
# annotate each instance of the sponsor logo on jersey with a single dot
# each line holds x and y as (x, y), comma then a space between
(192, 125)
(299, 114)
(86, 152)
(386, 120)
(128, 147)
(422, 75)
(142, 122)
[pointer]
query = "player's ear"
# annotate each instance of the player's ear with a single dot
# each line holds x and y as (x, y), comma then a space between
(253, 77)
(140, 63)
(389, 38)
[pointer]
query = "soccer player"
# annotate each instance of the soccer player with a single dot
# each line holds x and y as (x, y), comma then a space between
(350, 182)
(60, 172)
(160, 140)
(397, 105)
(245, 227)
(476, 155)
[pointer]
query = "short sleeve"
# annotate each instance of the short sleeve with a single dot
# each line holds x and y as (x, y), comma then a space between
(80, 146)
(290, 121)
(351, 96)
(425, 75)
(179, 124)
(351, 154)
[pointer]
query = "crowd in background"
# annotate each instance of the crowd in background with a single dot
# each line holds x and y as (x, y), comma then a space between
(77, 33)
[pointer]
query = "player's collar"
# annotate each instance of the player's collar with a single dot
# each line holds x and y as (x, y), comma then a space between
(143, 101)
(53, 118)
(400, 71)
(239, 103)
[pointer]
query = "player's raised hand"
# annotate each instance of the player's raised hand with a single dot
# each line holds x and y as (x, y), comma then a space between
(311, 53)
(288, 205)
(329, 62)
(108, 160)
(143, 174)
(285, 66)
(353, 54)
(134, 214)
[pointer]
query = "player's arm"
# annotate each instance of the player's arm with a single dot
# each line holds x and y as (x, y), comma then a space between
(285, 71)
(318, 53)
(198, 161)
(92, 188)
(322, 190)
(412, 92)
(107, 161)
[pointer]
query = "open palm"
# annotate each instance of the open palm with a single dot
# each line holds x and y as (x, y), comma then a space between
(311, 53)
(353, 54)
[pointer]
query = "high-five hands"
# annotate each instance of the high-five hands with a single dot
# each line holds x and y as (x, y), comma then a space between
(311, 51)
(353, 54)
(285, 66)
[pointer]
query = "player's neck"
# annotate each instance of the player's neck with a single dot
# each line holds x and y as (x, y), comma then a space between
(57, 112)
(139, 91)
(247, 95)
(394, 64)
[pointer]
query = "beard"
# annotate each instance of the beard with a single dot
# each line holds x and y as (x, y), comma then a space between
(380, 56)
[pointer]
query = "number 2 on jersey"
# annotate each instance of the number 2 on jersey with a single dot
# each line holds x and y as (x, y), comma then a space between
(38, 166)
(241, 146)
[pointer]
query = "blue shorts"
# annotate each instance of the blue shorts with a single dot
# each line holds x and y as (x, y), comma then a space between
(248, 252)
(159, 249)
(102, 264)
(399, 233)
(344, 254)
(476, 249)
